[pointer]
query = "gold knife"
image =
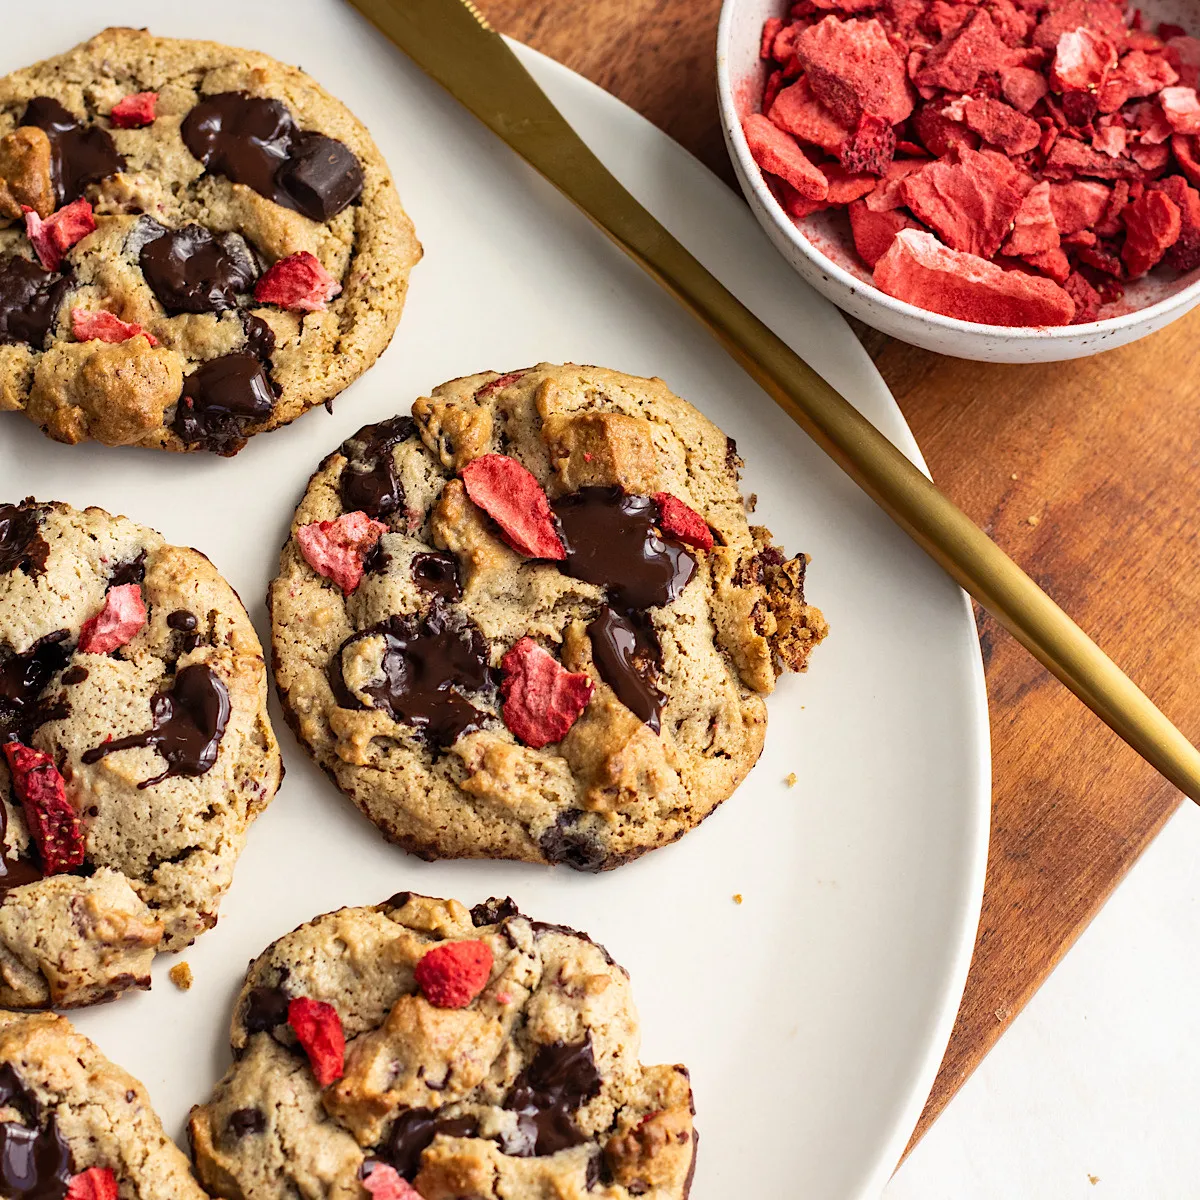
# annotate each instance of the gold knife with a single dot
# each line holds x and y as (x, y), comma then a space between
(452, 42)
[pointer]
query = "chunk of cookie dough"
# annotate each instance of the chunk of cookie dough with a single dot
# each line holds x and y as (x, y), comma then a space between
(529, 1086)
(72, 1123)
(582, 707)
(136, 750)
(235, 253)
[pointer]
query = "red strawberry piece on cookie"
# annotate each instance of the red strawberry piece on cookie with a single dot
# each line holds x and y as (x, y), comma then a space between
(514, 499)
(682, 522)
(105, 327)
(96, 1183)
(134, 111)
(338, 549)
(453, 974)
(120, 620)
(542, 699)
(318, 1029)
(384, 1182)
(52, 820)
(298, 282)
(54, 236)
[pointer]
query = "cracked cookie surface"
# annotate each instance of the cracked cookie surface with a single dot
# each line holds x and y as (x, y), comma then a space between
(245, 166)
(137, 750)
(531, 1088)
(66, 1112)
(402, 663)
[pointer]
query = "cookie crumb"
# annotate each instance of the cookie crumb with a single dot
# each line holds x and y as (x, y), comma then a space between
(1013, 475)
(181, 976)
(790, 779)
(1033, 519)
(752, 502)
(1093, 1180)
(737, 897)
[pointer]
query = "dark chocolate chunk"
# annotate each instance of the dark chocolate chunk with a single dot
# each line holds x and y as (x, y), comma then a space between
(30, 298)
(413, 1130)
(35, 1161)
(399, 900)
(560, 1078)
(23, 678)
(493, 911)
(612, 539)
(260, 338)
(247, 1120)
(254, 141)
(191, 271)
(189, 720)
(437, 574)
(79, 154)
(133, 571)
(182, 620)
(266, 1007)
(369, 482)
(628, 656)
(220, 399)
(561, 844)
(427, 663)
(21, 544)
(73, 675)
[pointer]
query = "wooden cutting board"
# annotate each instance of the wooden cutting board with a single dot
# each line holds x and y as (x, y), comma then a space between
(1083, 472)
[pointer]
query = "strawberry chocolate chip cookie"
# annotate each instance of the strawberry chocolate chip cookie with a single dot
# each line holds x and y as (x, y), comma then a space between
(532, 621)
(135, 750)
(73, 1126)
(420, 1051)
(197, 244)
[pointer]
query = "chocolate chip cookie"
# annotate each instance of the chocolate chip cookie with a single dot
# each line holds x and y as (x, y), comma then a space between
(532, 621)
(416, 1045)
(197, 244)
(72, 1124)
(135, 750)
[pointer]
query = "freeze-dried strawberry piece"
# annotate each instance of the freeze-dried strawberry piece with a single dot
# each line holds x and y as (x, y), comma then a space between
(1082, 61)
(1078, 205)
(53, 822)
(511, 496)
(1184, 149)
(54, 236)
(542, 699)
(1022, 87)
(957, 62)
(1054, 264)
(1070, 157)
(918, 269)
(890, 192)
(1000, 125)
(770, 29)
(1181, 108)
(1152, 226)
(297, 282)
(1109, 223)
(1063, 16)
(871, 147)
(386, 1183)
(96, 1183)
(798, 112)
(105, 327)
(318, 1029)
(1183, 53)
(338, 549)
(500, 381)
(778, 154)
(874, 232)
(853, 69)
(844, 188)
(119, 621)
(1110, 140)
(682, 522)
(1152, 159)
(1185, 254)
(1087, 299)
(1034, 227)
(134, 111)
(940, 132)
(969, 198)
(1141, 74)
(1101, 258)
(453, 974)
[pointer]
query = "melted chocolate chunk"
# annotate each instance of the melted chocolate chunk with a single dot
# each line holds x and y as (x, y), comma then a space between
(73, 675)
(254, 141)
(369, 482)
(437, 574)
(628, 656)
(133, 571)
(540, 928)
(182, 620)
(413, 1130)
(189, 720)
(21, 545)
(247, 1120)
(23, 677)
(399, 900)
(35, 1162)
(260, 338)
(13, 873)
(493, 911)
(79, 154)
(30, 298)
(220, 399)
(569, 847)
(560, 1078)
(191, 271)
(424, 661)
(612, 539)
(266, 1007)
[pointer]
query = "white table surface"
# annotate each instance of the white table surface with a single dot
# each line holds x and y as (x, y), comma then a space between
(1094, 1092)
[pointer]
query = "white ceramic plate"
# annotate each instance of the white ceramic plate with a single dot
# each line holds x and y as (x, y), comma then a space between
(814, 1014)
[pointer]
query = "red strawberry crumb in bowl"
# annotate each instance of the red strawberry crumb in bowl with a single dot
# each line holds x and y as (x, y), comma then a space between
(1008, 181)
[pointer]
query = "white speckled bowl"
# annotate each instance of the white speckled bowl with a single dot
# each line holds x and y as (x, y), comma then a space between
(820, 248)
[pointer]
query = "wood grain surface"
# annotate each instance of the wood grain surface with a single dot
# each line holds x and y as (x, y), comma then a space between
(1083, 472)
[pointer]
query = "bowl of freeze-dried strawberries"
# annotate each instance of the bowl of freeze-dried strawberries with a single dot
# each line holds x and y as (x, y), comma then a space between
(1010, 181)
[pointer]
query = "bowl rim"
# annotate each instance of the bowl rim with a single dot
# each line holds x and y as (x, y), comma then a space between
(751, 174)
